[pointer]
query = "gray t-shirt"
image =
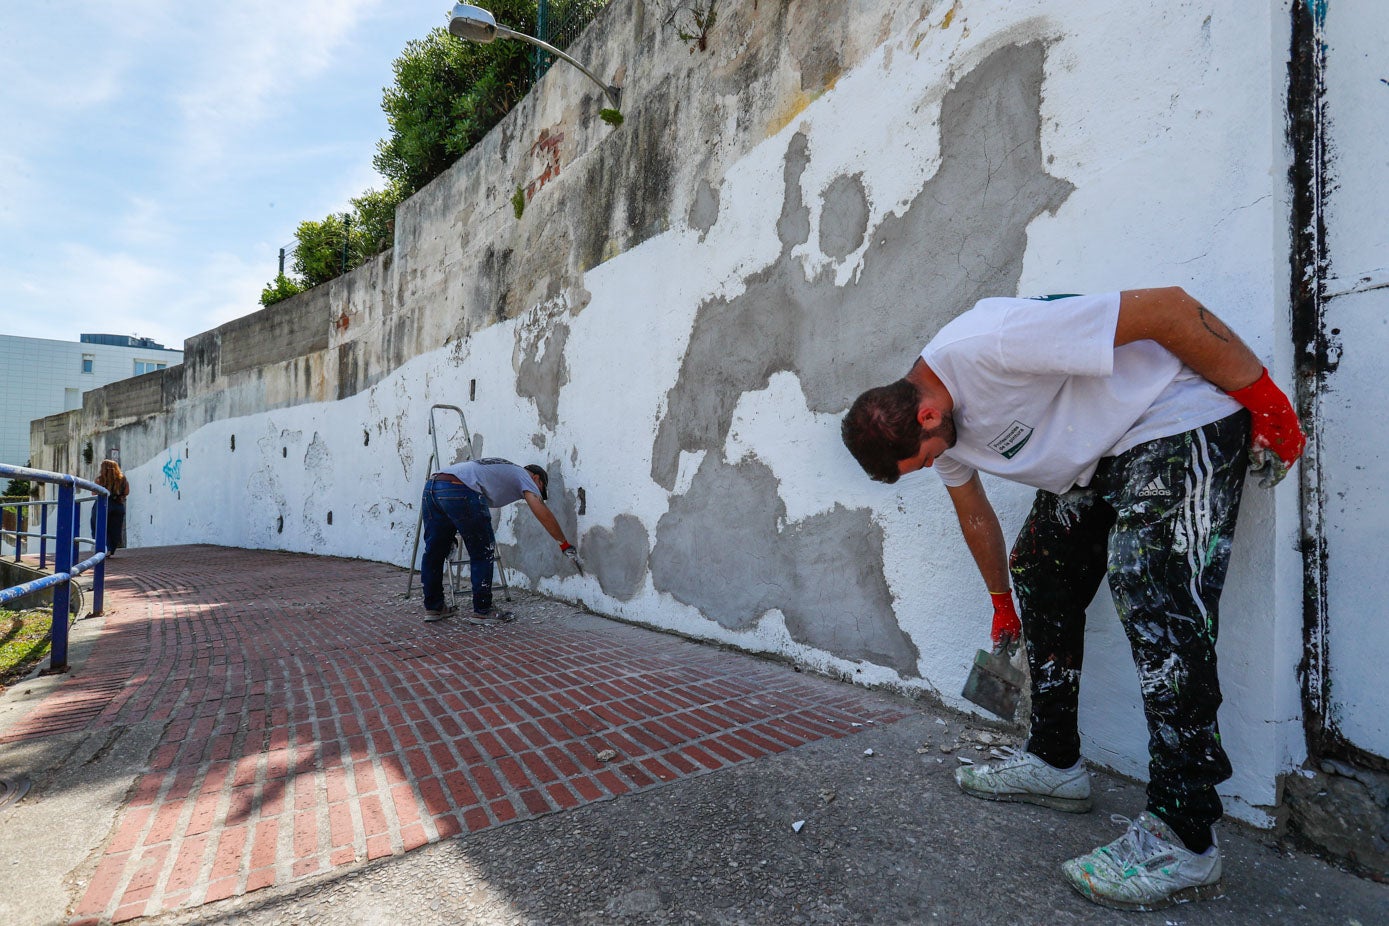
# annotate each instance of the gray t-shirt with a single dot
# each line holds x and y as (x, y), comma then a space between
(499, 481)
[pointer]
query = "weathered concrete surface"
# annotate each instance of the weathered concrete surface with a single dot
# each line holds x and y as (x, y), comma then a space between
(887, 840)
(962, 237)
(1343, 810)
(78, 783)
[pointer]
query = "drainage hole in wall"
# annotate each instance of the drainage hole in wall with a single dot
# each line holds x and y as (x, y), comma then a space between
(330, 517)
(472, 389)
(233, 443)
(366, 437)
(280, 524)
(284, 452)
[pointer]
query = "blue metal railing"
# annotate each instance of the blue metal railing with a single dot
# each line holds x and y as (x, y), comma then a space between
(67, 539)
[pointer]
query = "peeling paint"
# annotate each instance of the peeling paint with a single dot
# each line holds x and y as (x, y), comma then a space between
(961, 238)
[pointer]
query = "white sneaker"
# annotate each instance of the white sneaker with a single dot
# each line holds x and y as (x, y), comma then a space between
(1023, 777)
(1147, 868)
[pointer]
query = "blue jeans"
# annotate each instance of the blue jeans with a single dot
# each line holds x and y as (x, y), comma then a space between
(451, 508)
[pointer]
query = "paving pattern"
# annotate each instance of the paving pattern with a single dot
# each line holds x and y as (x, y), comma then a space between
(314, 722)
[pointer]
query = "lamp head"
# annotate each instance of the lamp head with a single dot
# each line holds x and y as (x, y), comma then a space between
(472, 23)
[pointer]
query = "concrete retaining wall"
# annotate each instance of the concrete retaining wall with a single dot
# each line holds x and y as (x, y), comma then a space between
(690, 301)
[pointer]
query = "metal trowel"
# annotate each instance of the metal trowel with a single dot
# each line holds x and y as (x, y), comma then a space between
(995, 684)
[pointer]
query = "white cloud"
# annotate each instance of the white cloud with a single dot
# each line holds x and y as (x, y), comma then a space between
(249, 54)
(155, 154)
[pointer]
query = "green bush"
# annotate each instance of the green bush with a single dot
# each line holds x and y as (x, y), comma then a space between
(446, 96)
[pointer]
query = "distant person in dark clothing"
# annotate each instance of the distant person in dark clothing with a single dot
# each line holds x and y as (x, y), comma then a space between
(458, 500)
(112, 480)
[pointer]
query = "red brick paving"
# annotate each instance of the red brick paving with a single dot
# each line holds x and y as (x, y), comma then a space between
(315, 721)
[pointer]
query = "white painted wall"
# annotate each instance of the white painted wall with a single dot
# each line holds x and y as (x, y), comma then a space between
(1168, 121)
(1351, 446)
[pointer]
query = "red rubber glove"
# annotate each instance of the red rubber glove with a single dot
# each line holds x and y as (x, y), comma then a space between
(1007, 626)
(1275, 428)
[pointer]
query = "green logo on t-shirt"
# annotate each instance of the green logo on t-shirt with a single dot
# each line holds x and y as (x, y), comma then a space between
(1013, 439)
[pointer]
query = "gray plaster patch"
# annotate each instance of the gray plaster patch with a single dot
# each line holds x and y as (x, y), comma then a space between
(535, 552)
(726, 549)
(618, 556)
(543, 370)
(793, 226)
(704, 211)
(844, 218)
(961, 238)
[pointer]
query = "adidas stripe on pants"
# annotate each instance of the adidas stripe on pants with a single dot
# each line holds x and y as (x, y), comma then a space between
(1158, 521)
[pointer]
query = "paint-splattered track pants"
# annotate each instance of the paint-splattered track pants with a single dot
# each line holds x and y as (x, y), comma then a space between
(1158, 520)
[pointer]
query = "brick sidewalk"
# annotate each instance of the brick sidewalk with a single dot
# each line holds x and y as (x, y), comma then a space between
(315, 722)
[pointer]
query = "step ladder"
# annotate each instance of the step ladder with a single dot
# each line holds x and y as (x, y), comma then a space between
(457, 573)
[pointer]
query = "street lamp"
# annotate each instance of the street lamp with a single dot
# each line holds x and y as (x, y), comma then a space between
(474, 24)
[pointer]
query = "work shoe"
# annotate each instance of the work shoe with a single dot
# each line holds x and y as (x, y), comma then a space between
(490, 618)
(437, 614)
(1147, 868)
(1024, 778)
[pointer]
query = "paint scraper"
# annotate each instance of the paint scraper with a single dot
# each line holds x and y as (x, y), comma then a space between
(995, 683)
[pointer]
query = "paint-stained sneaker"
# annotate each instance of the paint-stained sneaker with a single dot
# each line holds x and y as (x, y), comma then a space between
(1147, 868)
(490, 618)
(1024, 778)
(437, 614)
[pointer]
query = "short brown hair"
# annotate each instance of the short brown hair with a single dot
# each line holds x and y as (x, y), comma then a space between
(881, 429)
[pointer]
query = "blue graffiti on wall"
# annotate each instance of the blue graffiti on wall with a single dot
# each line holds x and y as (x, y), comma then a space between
(172, 472)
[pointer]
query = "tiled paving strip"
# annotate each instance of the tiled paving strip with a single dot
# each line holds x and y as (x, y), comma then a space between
(314, 721)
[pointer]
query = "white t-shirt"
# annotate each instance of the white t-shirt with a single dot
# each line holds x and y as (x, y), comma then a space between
(1041, 393)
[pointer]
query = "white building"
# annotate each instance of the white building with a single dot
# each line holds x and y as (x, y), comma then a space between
(41, 377)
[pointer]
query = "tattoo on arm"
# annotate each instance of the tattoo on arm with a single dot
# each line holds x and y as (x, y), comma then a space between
(1213, 324)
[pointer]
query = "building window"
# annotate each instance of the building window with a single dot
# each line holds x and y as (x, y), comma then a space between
(148, 366)
(88, 362)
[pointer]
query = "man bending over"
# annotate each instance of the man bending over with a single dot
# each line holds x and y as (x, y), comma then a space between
(1131, 414)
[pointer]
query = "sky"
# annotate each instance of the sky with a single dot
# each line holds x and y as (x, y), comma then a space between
(155, 155)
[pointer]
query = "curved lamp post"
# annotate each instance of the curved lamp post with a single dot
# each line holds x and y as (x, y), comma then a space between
(474, 24)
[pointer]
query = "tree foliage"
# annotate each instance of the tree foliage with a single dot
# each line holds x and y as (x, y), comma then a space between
(446, 96)
(326, 248)
(282, 287)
